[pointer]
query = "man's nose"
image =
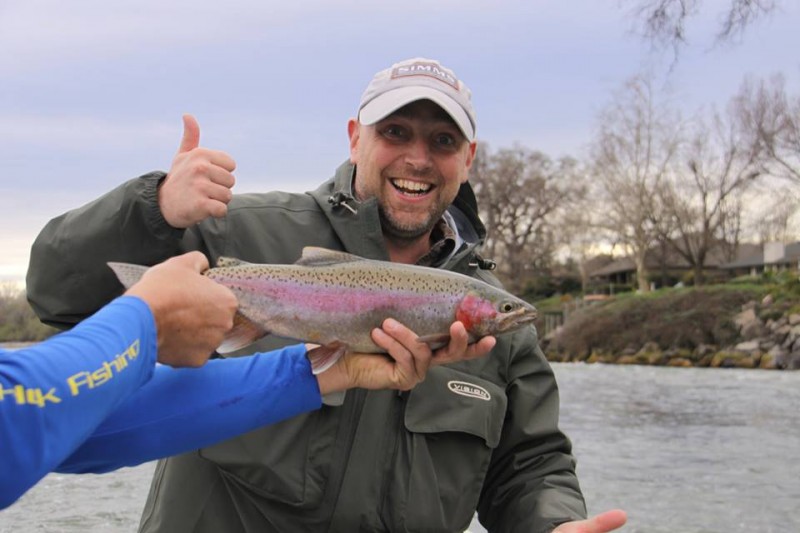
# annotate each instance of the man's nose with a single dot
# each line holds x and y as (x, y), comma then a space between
(418, 156)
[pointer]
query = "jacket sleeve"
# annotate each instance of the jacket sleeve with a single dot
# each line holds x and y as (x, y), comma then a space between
(531, 485)
(68, 278)
(54, 394)
(184, 409)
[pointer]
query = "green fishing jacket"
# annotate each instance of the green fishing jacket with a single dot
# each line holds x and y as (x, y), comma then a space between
(476, 435)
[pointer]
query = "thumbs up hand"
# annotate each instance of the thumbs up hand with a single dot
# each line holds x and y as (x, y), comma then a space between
(199, 183)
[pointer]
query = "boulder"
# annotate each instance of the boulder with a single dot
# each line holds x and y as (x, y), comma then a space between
(749, 306)
(600, 357)
(703, 350)
(793, 361)
(754, 330)
(750, 326)
(649, 347)
(728, 359)
(748, 346)
(629, 350)
(779, 323)
(780, 333)
(630, 360)
(769, 362)
(745, 317)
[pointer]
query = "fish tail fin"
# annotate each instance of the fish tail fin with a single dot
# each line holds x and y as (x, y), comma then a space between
(324, 357)
(244, 332)
(127, 273)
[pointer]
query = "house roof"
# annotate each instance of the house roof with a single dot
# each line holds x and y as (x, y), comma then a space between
(653, 260)
(756, 259)
(791, 255)
(623, 264)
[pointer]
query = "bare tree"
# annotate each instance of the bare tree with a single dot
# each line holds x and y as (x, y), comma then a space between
(774, 219)
(583, 238)
(663, 22)
(522, 194)
(633, 148)
(770, 122)
(702, 199)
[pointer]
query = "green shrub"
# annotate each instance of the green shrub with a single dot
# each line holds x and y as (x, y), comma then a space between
(672, 318)
(18, 322)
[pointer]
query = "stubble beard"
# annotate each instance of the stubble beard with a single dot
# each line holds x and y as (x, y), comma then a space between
(395, 229)
(400, 231)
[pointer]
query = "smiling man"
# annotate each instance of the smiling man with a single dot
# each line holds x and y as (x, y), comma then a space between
(425, 460)
(412, 145)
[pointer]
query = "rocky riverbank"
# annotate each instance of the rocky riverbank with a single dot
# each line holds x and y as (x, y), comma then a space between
(765, 338)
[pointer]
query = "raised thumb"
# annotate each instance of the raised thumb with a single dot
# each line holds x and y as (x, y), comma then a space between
(191, 134)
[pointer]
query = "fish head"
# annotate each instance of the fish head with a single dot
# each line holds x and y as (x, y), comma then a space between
(493, 313)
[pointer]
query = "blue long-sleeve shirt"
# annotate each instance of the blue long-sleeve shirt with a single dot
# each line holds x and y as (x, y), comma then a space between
(93, 399)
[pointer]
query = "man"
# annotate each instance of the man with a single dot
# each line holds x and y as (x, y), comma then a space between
(480, 434)
(92, 399)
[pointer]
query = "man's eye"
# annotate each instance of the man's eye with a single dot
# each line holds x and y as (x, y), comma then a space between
(394, 132)
(445, 139)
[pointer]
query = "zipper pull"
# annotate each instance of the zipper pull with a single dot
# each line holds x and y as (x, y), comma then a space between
(340, 199)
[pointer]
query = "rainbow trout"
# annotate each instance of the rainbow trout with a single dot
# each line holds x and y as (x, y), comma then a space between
(335, 299)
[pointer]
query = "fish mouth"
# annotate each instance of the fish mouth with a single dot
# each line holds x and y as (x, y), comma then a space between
(411, 187)
(517, 318)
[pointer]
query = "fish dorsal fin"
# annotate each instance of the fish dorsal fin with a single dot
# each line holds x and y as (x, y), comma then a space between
(316, 256)
(223, 262)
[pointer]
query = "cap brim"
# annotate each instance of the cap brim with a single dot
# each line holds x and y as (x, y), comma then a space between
(387, 103)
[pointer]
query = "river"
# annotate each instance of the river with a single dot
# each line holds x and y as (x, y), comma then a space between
(684, 450)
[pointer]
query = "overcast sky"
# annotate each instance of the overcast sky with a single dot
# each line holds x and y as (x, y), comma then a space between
(92, 91)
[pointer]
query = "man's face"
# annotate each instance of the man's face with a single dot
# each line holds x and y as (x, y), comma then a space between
(413, 162)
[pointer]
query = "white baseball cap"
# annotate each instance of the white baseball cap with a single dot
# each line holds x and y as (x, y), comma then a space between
(418, 79)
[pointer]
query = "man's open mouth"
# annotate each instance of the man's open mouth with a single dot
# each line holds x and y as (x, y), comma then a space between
(412, 188)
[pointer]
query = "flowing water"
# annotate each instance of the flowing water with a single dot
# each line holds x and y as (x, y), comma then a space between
(681, 450)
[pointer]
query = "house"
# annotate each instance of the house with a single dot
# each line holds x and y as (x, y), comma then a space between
(666, 267)
(772, 257)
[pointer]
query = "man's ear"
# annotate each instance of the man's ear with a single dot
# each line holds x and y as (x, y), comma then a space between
(354, 132)
(470, 158)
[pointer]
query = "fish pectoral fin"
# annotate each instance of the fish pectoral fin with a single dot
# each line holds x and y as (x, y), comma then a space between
(324, 357)
(244, 332)
(316, 256)
(127, 273)
(435, 340)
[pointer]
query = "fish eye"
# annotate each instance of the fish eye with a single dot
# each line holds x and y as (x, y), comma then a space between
(506, 307)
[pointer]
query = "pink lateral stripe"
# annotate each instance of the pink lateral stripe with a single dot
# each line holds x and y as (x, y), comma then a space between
(341, 299)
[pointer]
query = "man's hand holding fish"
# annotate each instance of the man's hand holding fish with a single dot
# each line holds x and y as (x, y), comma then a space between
(408, 361)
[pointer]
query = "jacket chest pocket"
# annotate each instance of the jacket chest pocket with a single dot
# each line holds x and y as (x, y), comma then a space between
(455, 421)
(287, 462)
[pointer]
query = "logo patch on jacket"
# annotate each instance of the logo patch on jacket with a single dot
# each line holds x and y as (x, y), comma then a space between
(469, 389)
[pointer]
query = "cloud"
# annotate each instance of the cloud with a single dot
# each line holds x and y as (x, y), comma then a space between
(76, 133)
(44, 30)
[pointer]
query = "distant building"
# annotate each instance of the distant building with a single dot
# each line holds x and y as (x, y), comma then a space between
(666, 267)
(772, 257)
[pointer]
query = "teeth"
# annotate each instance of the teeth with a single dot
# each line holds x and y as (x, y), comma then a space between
(412, 186)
